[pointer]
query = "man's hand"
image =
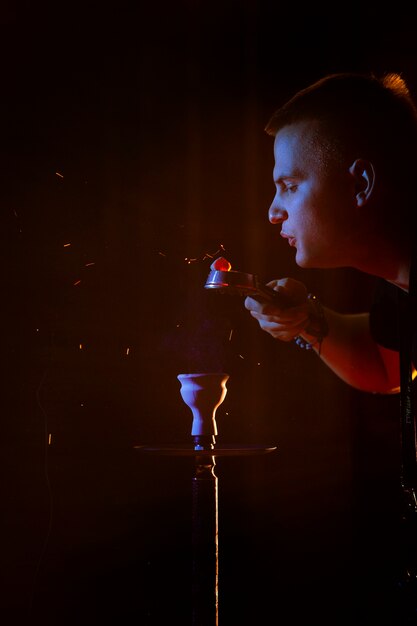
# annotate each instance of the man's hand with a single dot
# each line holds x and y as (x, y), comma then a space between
(281, 322)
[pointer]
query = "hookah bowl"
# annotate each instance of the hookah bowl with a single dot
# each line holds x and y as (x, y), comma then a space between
(203, 393)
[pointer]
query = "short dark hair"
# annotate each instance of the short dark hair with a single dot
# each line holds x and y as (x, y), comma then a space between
(361, 115)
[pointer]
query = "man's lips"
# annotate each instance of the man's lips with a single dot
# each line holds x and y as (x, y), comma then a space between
(291, 240)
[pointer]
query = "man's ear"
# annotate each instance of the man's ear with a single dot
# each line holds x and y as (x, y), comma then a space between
(364, 175)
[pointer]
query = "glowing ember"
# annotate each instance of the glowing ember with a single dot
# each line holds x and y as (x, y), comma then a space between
(221, 264)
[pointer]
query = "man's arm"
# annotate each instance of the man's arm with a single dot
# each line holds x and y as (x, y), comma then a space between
(351, 352)
(348, 349)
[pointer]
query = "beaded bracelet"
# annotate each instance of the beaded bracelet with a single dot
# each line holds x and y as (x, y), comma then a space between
(303, 343)
(317, 325)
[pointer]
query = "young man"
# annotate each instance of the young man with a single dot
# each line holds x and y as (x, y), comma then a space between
(346, 196)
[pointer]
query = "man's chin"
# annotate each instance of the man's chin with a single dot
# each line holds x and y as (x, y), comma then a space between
(302, 260)
(315, 263)
(308, 262)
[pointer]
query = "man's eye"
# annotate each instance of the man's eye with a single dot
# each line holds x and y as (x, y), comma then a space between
(286, 186)
(291, 188)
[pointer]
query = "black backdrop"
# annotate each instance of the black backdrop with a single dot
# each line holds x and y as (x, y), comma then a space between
(133, 152)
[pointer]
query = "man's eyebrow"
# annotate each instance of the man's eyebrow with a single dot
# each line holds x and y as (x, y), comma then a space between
(282, 177)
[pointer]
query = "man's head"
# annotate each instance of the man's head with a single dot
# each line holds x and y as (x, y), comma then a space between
(375, 118)
(345, 167)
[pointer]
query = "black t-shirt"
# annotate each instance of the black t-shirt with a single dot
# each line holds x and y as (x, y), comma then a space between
(384, 317)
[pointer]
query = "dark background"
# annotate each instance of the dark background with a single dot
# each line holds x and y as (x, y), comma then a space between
(134, 133)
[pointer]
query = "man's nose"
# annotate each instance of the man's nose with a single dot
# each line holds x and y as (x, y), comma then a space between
(276, 215)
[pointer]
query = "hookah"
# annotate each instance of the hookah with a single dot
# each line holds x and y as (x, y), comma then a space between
(203, 393)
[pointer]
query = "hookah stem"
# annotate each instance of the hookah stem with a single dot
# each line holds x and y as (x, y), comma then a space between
(205, 542)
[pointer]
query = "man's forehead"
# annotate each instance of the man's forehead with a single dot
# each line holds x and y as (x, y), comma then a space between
(295, 145)
(305, 133)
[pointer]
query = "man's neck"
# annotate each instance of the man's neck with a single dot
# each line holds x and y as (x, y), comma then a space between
(388, 262)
